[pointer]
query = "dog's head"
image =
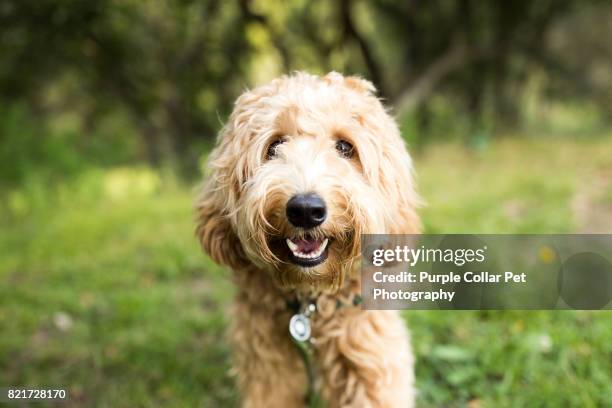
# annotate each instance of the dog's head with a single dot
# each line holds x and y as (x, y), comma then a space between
(304, 166)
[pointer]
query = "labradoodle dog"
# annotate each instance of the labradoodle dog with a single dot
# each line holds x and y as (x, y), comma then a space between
(304, 167)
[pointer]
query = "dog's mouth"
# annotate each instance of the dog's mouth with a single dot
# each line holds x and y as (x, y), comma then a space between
(307, 251)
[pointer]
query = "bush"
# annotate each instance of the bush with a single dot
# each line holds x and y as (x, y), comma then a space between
(29, 149)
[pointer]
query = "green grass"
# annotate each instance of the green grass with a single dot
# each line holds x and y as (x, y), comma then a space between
(103, 289)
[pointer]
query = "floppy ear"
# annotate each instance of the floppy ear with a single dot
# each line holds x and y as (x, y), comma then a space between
(214, 227)
(398, 186)
(228, 166)
(391, 173)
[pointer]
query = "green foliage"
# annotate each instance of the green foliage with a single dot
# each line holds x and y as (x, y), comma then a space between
(171, 70)
(53, 152)
(104, 291)
(512, 359)
(25, 148)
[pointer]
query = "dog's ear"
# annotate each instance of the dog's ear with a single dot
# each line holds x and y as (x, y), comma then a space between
(215, 232)
(397, 182)
(214, 227)
(228, 171)
(391, 172)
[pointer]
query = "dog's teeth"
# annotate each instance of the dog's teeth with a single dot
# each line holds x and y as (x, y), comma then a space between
(293, 247)
(315, 254)
(323, 246)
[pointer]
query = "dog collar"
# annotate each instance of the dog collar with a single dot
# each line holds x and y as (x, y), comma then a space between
(295, 304)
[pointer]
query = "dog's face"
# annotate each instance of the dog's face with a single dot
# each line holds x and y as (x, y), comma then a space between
(303, 168)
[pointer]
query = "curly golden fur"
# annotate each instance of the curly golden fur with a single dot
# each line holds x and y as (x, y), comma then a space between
(363, 358)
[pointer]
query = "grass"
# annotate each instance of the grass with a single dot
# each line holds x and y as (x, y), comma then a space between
(103, 289)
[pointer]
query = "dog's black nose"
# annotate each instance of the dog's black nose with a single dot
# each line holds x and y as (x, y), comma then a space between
(306, 210)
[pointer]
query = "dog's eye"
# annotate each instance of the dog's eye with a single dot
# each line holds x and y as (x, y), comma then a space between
(272, 148)
(345, 148)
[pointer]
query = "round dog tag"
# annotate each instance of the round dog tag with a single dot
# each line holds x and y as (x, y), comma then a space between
(299, 327)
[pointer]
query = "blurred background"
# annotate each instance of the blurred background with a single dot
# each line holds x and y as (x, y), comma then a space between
(108, 110)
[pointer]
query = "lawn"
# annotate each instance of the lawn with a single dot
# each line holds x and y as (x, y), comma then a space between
(104, 292)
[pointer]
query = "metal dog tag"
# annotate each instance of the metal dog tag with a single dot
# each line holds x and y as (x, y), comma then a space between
(299, 327)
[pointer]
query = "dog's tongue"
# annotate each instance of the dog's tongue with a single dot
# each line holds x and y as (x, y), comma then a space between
(306, 246)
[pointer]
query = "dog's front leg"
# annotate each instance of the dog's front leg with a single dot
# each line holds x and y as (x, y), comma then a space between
(269, 370)
(366, 360)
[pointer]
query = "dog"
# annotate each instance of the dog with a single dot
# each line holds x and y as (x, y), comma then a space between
(304, 166)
